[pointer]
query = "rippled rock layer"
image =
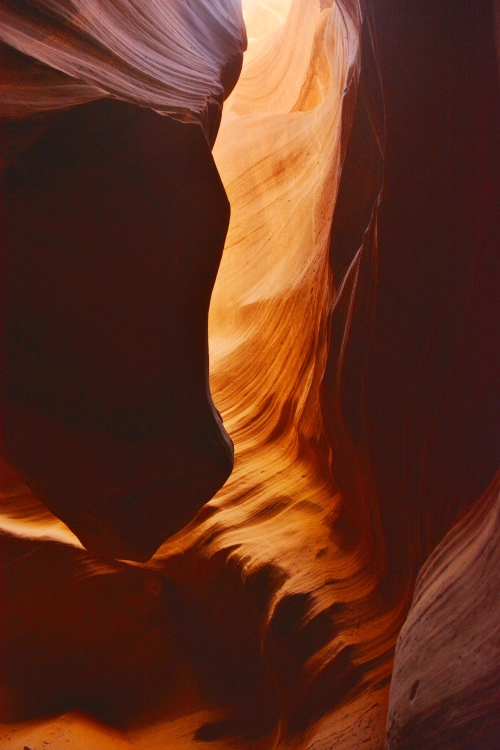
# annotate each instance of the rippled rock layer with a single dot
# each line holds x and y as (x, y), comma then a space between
(351, 336)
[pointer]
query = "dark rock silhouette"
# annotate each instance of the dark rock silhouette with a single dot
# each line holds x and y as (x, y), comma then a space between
(410, 395)
(115, 220)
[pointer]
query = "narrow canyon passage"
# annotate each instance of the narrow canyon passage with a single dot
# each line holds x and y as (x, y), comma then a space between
(270, 620)
(273, 523)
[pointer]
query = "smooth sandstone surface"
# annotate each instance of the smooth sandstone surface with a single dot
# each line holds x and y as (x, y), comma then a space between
(446, 680)
(351, 338)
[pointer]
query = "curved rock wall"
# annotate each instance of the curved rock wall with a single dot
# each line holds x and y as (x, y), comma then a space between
(352, 359)
(110, 258)
(163, 55)
(446, 686)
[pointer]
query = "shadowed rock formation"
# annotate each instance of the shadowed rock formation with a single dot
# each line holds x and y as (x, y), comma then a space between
(445, 685)
(414, 379)
(352, 357)
(410, 393)
(115, 219)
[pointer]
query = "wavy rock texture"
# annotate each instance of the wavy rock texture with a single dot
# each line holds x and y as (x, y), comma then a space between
(163, 55)
(446, 679)
(350, 330)
(325, 624)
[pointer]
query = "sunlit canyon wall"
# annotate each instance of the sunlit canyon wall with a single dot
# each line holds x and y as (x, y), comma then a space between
(352, 335)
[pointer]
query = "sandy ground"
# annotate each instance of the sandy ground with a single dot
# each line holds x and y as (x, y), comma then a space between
(361, 723)
(79, 731)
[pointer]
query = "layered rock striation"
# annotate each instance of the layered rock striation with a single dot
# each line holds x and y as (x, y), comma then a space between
(352, 354)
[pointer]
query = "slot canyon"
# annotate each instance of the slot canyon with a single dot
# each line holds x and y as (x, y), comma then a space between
(249, 476)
